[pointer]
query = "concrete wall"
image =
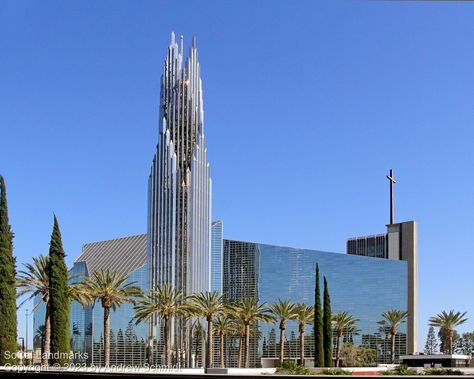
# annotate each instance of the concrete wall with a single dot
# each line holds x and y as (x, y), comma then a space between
(403, 245)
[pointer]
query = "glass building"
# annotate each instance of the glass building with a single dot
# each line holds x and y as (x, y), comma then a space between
(363, 286)
(128, 341)
(182, 247)
(400, 243)
(38, 326)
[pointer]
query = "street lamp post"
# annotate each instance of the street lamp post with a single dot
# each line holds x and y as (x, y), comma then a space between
(22, 349)
(27, 316)
(22, 343)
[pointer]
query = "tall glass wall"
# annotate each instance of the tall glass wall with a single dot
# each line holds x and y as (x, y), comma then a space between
(38, 326)
(127, 340)
(362, 286)
(240, 281)
(81, 321)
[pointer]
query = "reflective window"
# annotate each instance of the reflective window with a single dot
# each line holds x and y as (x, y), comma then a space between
(363, 286)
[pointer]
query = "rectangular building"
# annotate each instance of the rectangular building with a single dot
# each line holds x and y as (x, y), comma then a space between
(363, 286)
(400, 243)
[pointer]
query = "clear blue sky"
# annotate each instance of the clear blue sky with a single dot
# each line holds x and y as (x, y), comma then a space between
(307, 106)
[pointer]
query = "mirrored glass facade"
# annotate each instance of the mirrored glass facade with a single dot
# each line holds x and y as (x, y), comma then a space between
(81, 320)
(126, 256)
(127, 340)
(399, 243)
(362, 286)
(39, 313)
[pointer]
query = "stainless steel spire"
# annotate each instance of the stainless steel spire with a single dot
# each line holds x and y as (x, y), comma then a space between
(179, 189)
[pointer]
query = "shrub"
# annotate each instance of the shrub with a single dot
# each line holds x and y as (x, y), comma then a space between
(442, 371)
(401, 370)
(291, 368)
(358, 356)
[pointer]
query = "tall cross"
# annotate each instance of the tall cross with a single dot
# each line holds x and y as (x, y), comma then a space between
(392, 182)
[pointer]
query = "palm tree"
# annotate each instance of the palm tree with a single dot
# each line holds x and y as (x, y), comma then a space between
(304, 315)
(34, 281)
(283, 310)
(165, 303)
(240, 333)
(250, 311)
(223, 325)
(208, 305)
(342, 322)
(39, 338)
(198, 342)
(112, 290)
(448, 321)
(188, 318)
(392, 320)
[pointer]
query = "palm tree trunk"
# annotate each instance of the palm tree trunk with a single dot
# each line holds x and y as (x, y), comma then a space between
(282, 345)
(221, 345)
(150, 351)
(203, 344)
(195, 342)
(189, 348)
(167, 342)
(106, 336)
(247, 345)
(450, 341)
(199, 350)
(393, 348)
(241, 346)
(209, 351)
(338, 347)
(47, 338)
(302, 347)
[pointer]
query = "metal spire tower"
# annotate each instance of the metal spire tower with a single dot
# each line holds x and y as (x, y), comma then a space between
(179, 187)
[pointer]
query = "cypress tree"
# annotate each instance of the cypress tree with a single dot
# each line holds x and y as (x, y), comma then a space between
(327, 326)
(58, 300)
(8, 321)
(318, 324)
